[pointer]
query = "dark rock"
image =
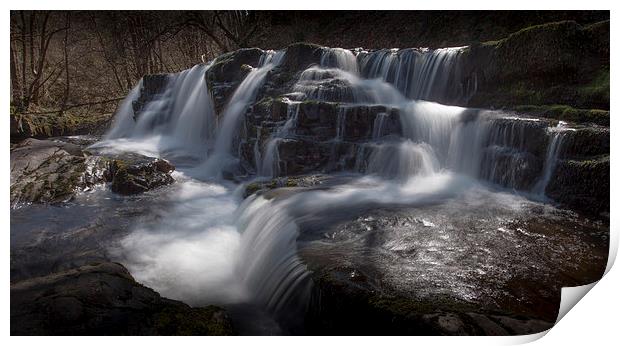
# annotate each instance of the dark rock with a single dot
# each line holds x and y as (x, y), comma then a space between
(585, 142)
(300, 56)
(232, 67)
(582, 184)
(559, 63)
(45, 171)
(345, 306)
(104, 299)
(132, 173)
(152, 86)
(304, 181)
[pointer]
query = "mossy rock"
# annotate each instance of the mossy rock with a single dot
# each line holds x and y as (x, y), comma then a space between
(567, 113)
(132, 174)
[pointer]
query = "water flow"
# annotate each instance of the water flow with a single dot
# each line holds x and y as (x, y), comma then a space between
(553, 150)
(249, 249)
(420, 74)
(244, 95)
(340, 58)
(168, 115)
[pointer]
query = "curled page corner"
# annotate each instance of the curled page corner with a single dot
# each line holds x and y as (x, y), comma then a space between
(570, 297)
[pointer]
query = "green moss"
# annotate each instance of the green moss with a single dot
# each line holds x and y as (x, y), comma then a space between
(566, 113)
(252, 188)
(598, 88)
(291, 182)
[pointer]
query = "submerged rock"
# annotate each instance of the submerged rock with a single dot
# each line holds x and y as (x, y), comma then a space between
(104, 299)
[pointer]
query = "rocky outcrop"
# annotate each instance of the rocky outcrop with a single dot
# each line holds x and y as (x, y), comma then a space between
(582, 184)
(104, 299)
(131, 174)
(52, 171)
(228, 71)
(45, 171)
(554, 63)
(581, 177)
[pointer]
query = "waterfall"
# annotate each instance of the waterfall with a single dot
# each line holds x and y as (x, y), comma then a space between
(557, 134)
(343, 59)
(166, 113)
(402, 160)
(377, 127)
(246, 92)
(437, 152)
(420, 74)
(268, 165)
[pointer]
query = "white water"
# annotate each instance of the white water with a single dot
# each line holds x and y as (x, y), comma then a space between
(246, 92)
(206, 246)
(420, 74)
(553, 150)
(181, 121)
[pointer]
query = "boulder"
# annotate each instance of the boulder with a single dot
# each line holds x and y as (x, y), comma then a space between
(45, 171)
(131, 174)
(104, 299)
(52, 171)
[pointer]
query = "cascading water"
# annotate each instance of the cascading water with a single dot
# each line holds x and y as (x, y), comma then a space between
(439, 152)
(420, 74)
(177, 119)
(553, 151)
(343, 59)
(244, 94)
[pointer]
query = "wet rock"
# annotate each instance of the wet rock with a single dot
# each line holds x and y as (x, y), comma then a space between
(508, 167)
(45, 171)
(231, 67)
(582, 184)
(104, 299)
(152, 86)
(300, 56)
(585, 142)
(344, 304)
(302, 156)
(132, 173)
(359, 122)
(227, 71)
(293, 181)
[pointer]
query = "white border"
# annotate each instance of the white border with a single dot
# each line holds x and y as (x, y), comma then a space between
(592, 321)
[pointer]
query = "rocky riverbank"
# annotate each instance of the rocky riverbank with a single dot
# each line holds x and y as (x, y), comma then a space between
(104, 299)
